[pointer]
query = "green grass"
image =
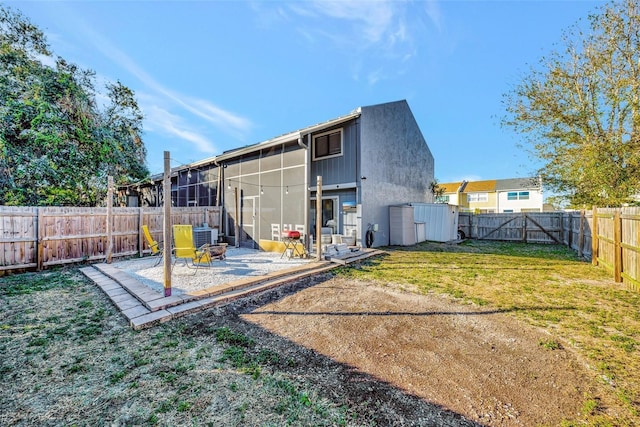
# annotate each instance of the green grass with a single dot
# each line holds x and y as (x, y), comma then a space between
(544, 285)
(69, 358)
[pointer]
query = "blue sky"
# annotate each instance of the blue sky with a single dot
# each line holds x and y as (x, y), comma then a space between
(216, 75)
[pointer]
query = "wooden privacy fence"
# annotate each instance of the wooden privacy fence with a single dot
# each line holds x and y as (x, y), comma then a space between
(609, 236)
(616, 243)
(41, 237)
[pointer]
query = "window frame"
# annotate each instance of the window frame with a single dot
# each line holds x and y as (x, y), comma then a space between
(518, 195)
(328, 156)
(480, 197)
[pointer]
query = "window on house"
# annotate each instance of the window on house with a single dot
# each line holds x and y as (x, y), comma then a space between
(477, 197)
(442, 199)
(328, 144)
(518, 195)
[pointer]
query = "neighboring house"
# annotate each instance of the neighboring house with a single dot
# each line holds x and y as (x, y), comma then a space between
(371, 158)
(450, 193)
(496, 195)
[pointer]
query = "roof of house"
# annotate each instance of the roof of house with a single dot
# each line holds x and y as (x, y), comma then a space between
(491, 185)
(450, 187)
(480, 186)
(517, 184)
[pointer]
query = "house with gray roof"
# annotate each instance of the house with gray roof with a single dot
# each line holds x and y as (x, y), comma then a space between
(495, 195)
(368, 159)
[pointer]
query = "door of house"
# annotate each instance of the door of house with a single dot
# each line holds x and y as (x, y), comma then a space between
(330, 217)
(248, 237)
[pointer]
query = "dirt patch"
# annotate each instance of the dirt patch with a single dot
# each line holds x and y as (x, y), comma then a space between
(480, 363)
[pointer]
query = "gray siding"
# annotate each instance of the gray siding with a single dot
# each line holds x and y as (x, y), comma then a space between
(342, 169)
(272, 190)
(396, 162)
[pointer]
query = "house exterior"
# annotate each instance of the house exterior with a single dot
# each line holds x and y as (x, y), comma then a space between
(368, 159)
(495, 196)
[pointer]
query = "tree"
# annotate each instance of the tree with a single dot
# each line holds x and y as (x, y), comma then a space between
(56, 146)
(579, 112)
(437, 191)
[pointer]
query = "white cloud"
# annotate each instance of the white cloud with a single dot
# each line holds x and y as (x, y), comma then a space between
(222, 119)
(372, 35)
(162, 121)
(432, 9)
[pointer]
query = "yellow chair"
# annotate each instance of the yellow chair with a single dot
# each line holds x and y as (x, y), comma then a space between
(185, 249)
(156, 249)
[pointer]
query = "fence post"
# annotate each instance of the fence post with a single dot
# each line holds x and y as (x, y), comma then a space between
(109, 218)
(40, 231)
(594, 237)
(473, 225)
(617, 240)
(140, 239)
(581, 234)
(570, 231)
(524, 227)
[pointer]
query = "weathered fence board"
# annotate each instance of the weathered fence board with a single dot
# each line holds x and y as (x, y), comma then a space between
(616, 243)
(533, 227)
(47, 236)
(18, 237)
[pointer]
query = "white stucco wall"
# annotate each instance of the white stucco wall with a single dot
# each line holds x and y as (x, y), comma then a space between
(535, 201)
(396, 161)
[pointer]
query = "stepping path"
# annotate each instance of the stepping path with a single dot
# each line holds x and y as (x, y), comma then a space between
(144, 307)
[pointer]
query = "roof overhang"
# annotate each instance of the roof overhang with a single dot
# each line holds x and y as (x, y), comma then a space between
(273, 142)
(287, 137)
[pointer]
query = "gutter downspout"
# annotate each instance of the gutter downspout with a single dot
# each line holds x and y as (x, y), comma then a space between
(300, 143)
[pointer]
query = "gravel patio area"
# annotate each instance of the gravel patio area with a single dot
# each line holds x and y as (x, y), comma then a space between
(238, 264)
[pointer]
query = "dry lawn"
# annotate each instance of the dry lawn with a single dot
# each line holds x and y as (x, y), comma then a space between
(70, 359)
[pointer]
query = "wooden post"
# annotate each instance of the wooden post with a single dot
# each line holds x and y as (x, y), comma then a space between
(166, 233)
(40, 231)
(594, 237)
(319, 218)
(581, 234)
(617, 240)
(524, 227)
(570, 229)
(109, 219)
(140, 237)
(237, 221)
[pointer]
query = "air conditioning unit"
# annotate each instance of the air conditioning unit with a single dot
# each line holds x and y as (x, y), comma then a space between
(202, 235)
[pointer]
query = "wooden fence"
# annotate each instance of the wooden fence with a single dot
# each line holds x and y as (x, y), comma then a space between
(608, 236)
(41, 237)
(616, 243)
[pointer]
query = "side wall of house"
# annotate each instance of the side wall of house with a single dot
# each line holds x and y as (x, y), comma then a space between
(396, 161)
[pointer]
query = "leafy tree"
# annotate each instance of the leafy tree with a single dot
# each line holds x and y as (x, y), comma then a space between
(56, 146)
(579, 111)
(436, 190)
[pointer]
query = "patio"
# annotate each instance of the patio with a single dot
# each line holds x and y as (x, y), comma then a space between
(136, 288)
